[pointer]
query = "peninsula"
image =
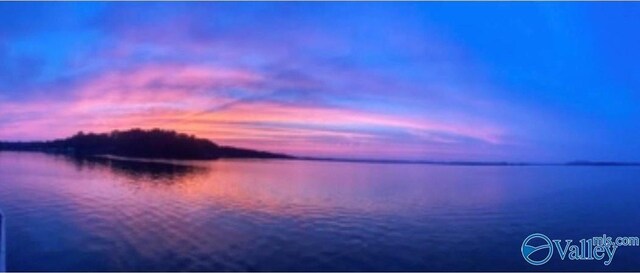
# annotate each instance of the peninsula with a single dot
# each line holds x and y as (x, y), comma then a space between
(139, 143)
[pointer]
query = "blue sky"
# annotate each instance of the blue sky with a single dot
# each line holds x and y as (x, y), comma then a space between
(536, 81)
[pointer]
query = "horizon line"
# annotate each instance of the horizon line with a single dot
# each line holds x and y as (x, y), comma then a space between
(471, 162)
(461, 162)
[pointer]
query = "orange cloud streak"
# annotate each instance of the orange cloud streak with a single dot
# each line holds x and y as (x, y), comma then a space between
(182, 98)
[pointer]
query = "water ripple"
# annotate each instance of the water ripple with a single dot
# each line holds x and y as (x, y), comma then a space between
(65, 215)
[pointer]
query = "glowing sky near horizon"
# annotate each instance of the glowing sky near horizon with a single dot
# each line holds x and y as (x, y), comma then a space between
(436, 81)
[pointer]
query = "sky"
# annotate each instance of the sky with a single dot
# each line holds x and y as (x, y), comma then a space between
(419, 81)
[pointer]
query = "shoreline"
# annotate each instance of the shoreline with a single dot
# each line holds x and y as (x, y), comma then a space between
(362, 161)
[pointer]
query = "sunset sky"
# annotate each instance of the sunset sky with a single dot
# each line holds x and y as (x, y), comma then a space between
(435, 81)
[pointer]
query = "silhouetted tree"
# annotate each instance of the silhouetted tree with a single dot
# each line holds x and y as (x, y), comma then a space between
(155, 143)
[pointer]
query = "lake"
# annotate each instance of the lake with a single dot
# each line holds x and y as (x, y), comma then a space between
(65, 214)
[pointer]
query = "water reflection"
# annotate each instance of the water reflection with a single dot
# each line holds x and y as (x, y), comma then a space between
(140, 170)
(281, 215)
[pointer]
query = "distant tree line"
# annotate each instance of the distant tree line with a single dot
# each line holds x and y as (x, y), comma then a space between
(155, 143)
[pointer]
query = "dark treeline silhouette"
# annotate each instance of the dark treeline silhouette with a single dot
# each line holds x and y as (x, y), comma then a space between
(156, 143)
(601, 163)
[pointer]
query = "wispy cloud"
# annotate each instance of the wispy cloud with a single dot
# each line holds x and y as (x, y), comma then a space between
(401, 80)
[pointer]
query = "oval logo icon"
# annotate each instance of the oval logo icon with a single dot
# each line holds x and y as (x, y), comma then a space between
(535, 243)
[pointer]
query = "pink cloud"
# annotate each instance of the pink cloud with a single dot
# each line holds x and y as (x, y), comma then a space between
(181, 97)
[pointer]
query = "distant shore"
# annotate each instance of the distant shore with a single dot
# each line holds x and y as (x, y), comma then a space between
(138, 143)
(473, 163)
(374, 161)
(158, 145)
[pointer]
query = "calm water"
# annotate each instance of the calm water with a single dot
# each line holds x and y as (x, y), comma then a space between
(69, 215)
